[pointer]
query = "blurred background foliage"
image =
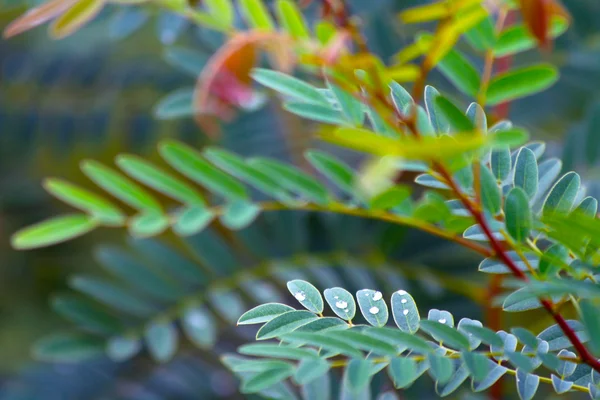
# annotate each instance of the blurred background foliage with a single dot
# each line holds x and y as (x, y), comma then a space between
(92, 95)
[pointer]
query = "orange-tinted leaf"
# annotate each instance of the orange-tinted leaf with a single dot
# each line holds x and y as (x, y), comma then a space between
(538, 14)
(37, 16)
(75, 17)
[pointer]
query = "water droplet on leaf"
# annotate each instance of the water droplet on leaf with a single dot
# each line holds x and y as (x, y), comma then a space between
(373, 310)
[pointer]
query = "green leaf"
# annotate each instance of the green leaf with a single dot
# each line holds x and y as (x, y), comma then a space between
(491, 197)
(477, 365)
(323, 324)
(520, 361)
(365, 342)
(591, 321)
(357, 374)
(257, 15)
(508, 137)
(284, 323)
(112, 296)
(501, 163)
(459, 375)
(566, 368)
(556, 338)
(263, 313)
(403, 371)
(517, 214)
(440, 367)
(86, 314)
(559, 385)
(526, 172)
(495, 266)
(272, 350)
(240, 365)
(514, 302)
(318, 389)
(527, 385)
(401, 98)
(186, 60)
(156, 178)
(548, 171)
(325, 341)
(495, 373)
(445, 334)
(517, 38)
(332, 168)
(161, 338)
(292, 20)
(67, 348)
(239, 214)
(308, 295)
(266, 379)
(341, 302)
(563, 194)
(521, 82)
(187, 161)
(289, 86)
(317, 112)
(122, 348)
(373, 307)
(483, 35)
(525, 337)
(588, 206)
(405, 311)
(456, 119)
(553, 260)
(237, 167)
(389, 198)
(177, 104)
(351, 107)
(438, 123)
(474, 341)
(476, 115)
(119, 186)
(486, 335)
(148, 224)
(401, 339)
(199, 326)
(292, 179)
(192, 220)
(310, 369)
(86, 201)
(53, 231)
(460, 71)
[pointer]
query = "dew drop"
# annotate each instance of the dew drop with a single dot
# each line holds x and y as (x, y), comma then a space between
(336, 297)
(373, 310)
(405, 312)
(403, 301)
(346, 310)
(442, 320)
(377, 296)
(341, 304)
(300, 296)
(401, 292)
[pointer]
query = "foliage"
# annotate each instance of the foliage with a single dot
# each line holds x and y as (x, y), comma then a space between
(478, 184)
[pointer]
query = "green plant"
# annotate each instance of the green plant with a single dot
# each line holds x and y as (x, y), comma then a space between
(479, 185)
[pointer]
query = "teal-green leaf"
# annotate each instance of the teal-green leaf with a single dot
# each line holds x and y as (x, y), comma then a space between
(484, 334)
(323, 324)
(401, 98)
(239, 214)
(445, 334)
(495, 372)
(459, 70)
(192, 220)
(52, 231)
(86, 201)
(588, 206)
(474, 341)
(199, 326)
(548, 171)
(351, 107)
(325, 341)
(405, 311)
(591, 320)
(560, 386)
(477, 364)
(177, 104)
(188, 162)
(402, 340)
(403, 371)
(341, 302)
(456, 119)
(161, 338)
(292, 179)
(501, 163)
(119, 186)
(159, 180)
(563, 194)
(566, 368)
(525, 337)
(308, 295)
(459, 375)
(440, 367)
(520, 83)
(266, 379)
(357, 374)
(439, 124)
(86, 314)
(317, 389)
(289, 86)
(122, 348)
(317, 112)
(526, 172)
(553, 260)
(556, 338)
(263, 313)
(373, 307)
(310, 369)
(284, 323)
(332, 168)
(491, 197)
(365, 342)
(517, 214)
(518, 38)
(275, 350)
(476, 115)
(148, 224)
(67, 348)
(527, 384)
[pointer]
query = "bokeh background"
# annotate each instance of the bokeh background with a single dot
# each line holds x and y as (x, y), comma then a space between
(93, 95)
